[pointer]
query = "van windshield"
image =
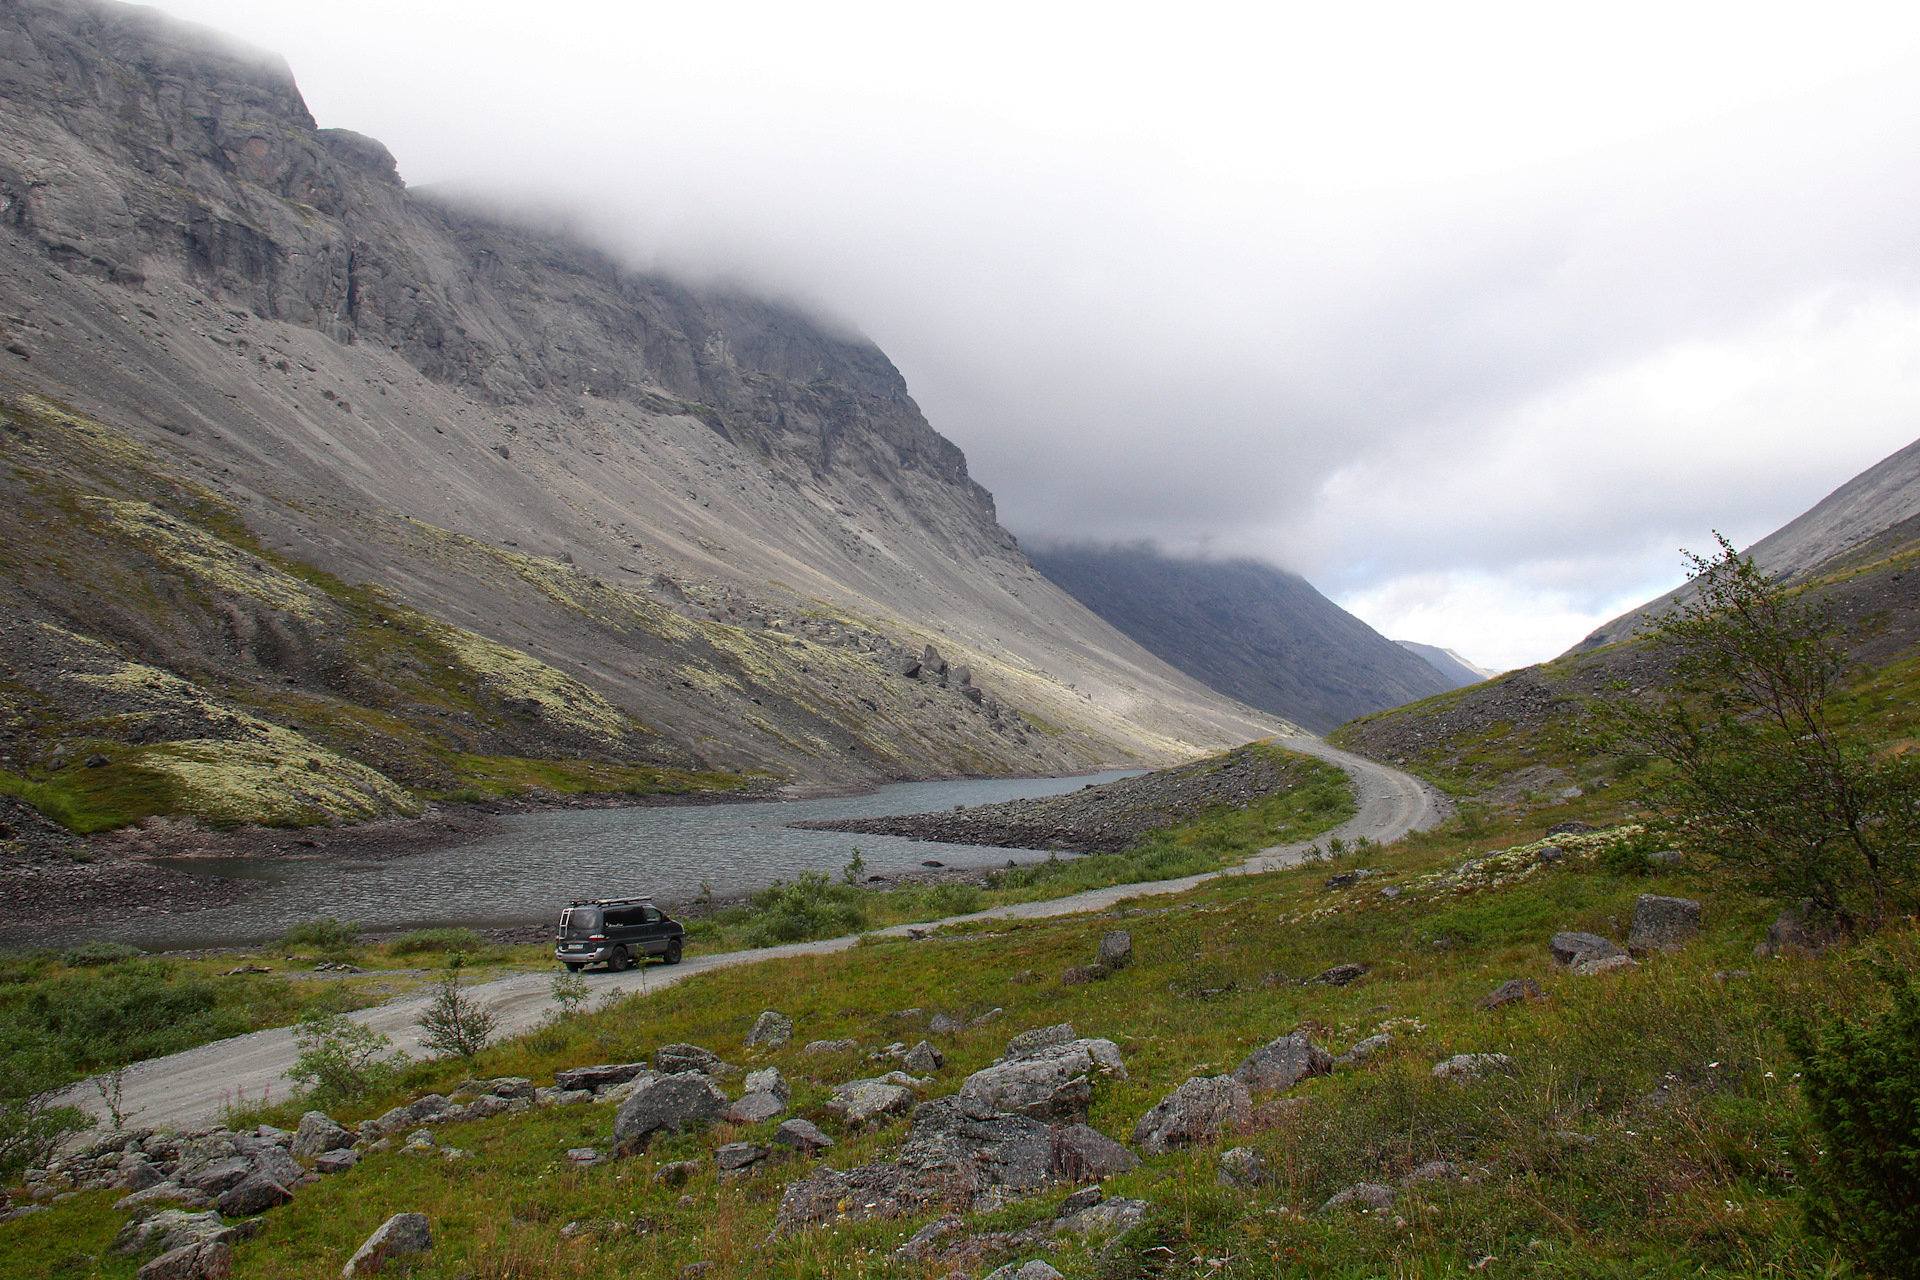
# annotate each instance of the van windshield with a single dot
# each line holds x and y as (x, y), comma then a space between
(579, 922)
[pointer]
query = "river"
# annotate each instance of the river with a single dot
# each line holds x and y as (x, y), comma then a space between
(534, 863)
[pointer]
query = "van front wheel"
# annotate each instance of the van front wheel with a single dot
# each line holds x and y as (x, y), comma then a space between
(575, 968)
(673, 952)
(618, 961)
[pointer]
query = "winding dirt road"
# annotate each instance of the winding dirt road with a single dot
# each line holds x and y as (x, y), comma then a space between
(191, 1089)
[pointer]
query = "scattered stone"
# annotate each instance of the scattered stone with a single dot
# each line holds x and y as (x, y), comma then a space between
(1513, 991)
(1662, 924)
(171, 1229)
(1200, 1110)
(1363, 1050)
(1550, 853)
(318, 1133)
(675, 1059)
(281, 1167)
(1472, 1066)
(1364, 1195)
(1085, 1198)
(1109, 1217)
(1570, 949)
(988, 1016)
(1570, 829)
(216, 1177)
(1731, 975)
(1799, 933)
(685, 1202)
(1665, 858)
(675, 1173)
(1283, 1063)
(1116, 949)
(754, 1108)
(832, 1046)
(920, 1245)
(802, 1134)
(256, 1193)
(137, 1173)
(211, 1260)
(1081, 974)
(923, 1059)
(1347, 879)
(400, 1235)
(331, 1162)
(584, 1156)
(1035, 1270)
(739, 1155)
(1604, 964)
(696, 1269)
(1040, 1088)
(165, 1193)
(769, 1080)
(597, 1077)
(1341, 975)
(1027, 1043)
(1082, 1153)
(858, 1101)
(1243, 1167)
(1432, 1171)
(1391, 892)
(770, 1030)
(672, 1102)
(942, 1025)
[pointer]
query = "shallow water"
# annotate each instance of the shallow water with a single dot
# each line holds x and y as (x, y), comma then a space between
(535, 863)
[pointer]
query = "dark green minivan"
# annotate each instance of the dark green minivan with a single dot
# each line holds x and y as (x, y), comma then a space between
(617, 932)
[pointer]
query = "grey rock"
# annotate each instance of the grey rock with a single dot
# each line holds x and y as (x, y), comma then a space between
(256, 1193)
(923, 1059)
(1116, 949)
(832, 1046)
(1363, 1195)
(1512, 991)
(1362, 1050)
(214, 1178)
(1035, 1270)
(1084, 1198)
(1798, 932)
(597, 1077)
(922, 1243)
(1082, 1153)
(1575, 948)
(802, 1134)
(170, 1229)
(164, 1193)
(676, 1059)
(584, 1156)
(738, 1155)
(755, 1108)
(279, 1137)
(858, 1101)
(1199, 1110)
(399, 1236)
(769, 1080)
(829, 1195)
(331, 1162)
(1550, 853)
(1040, 1088)
(1028, 1043)
(1081, 974)
(670, 1102)
(317, 1133)
(1346, 879)
(137, 1173)
(1662, 924)
(1341, 975)
(1603, 964)
(675, 1173)
(211, 1260)
(1243, 1167)
(1665, 858)
(942, 1025)
(1109, 1217)
(1473, 1066)
(1432, 1171)
(1283, 1063)
(771, 1030)
(275, 1163)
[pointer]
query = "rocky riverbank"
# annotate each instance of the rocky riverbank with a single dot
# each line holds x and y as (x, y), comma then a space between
(1106, 818)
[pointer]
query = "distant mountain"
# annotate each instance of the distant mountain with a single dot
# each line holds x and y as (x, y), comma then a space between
(1883, 496)
(1457, 670)
(1245, 629)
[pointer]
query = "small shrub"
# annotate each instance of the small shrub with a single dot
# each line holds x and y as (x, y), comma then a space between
(325, 933)
(32, 1123)
(810, 907)
(1862, 1083)
(96, 954)
(570, 991)
(702, 931)
(342, 1061)
(455, 1024)
(952, 899)
(458, 941)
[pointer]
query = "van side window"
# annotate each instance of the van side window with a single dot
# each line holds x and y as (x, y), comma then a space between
(650, 915)
(619, 919)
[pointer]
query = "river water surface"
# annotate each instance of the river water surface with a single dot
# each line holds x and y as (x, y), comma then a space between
(535, 863)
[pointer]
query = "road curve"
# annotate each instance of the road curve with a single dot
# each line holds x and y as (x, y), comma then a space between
(192, 1089)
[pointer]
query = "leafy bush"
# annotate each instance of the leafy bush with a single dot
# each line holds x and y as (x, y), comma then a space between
(811, 907)
(702, 931)
(952, 899)
(342, 1061)
(32, 1124)
(137, 1011)
(1862, 1084)
(96, 954)
(460, 941)
(325, 933)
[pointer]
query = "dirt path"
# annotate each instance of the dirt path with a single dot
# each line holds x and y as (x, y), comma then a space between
(191, 1089)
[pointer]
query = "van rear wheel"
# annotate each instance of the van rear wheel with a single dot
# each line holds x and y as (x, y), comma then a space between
(673, 952)
(619, 960)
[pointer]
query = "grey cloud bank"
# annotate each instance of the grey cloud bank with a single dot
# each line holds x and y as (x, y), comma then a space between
(1481, 408)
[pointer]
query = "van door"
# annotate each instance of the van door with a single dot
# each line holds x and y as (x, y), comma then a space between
(656, 931)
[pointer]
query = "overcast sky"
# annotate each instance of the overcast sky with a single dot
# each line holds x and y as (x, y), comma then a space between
(1472, 313)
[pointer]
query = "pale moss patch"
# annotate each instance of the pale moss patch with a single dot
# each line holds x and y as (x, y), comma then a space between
(508, 673)
(280, 778)
(214, 561)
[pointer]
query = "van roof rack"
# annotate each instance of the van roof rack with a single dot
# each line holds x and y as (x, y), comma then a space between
(610, 902)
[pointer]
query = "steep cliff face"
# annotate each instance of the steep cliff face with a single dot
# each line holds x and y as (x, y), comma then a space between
(722, 520)
(1247, 629)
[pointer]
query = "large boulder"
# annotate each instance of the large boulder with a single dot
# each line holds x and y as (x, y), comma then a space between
(398, 1236)
(1662, 924)
(317, 1133)
(1798, 932)
(1570, 948)
(171, 1229)
(672, 1102)
(216, 1177)
(769, 1080)
(275, 1163)
(676, 1059)
(859, 1101)
(256, 1193)
(755, 1108)
(1200, 1110)
(1109, 1217)
(1030, 1042)
(212, 1260)
(1283, 1063)
(951, 1154)
(770, 1030)
(1116, 949)
(1462, 1067)
(1083, 1154)
(802, 1135)
(829, 1195)
(1041, 1088)
(597, 1077)
(923, 1059)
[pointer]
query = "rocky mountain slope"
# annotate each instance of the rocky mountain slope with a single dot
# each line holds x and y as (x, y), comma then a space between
(1882, 497)
(1451, 666)
(1247, 629)
(291, 449)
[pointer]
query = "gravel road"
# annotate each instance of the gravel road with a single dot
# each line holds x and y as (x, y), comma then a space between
(191, 1089)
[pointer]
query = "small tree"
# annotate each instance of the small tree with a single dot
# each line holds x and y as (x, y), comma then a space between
(569, 992)
(1761, 780)
(33, 1120)
(341, 1060)
(455, 1023)
(1862, 1083)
